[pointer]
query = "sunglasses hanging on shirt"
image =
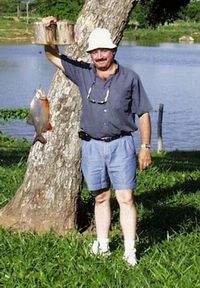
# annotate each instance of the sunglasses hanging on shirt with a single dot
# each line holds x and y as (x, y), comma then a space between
(89, 96)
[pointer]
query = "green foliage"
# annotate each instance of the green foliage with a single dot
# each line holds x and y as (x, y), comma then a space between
(17, 113)
(168, 241)
(166, 33)
(16, 7)
(64, 9)
(8, 7)
(151, 13)
(138, 17)
(191, 12)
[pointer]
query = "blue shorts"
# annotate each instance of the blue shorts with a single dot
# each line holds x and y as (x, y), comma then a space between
(106, 163)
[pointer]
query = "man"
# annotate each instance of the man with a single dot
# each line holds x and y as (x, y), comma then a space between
(111, 97)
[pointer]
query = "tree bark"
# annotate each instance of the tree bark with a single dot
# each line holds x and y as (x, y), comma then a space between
(47, 198)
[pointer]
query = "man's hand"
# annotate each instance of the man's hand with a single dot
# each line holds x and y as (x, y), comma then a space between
(144, 158)
(51, 49)
(47, 21)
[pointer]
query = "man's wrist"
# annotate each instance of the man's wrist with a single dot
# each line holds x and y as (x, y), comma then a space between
(145, 146)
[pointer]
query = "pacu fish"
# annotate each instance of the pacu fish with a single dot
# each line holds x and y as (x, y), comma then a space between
(39, 116)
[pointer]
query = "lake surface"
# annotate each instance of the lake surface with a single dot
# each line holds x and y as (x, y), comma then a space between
(170, 74)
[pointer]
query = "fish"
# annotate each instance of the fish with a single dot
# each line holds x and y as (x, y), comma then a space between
(39, 116)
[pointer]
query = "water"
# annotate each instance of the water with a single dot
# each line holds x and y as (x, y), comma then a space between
(169, 72)
(22, 70)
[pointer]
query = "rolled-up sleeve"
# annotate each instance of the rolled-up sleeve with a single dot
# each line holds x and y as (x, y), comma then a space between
(140, 100)
(73, 68)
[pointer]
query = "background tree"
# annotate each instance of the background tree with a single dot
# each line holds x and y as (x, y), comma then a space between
(151, 13)
(64, 9)
(18, 8)
(15, 7)
(8, 7)
(191, 12)
(47, 198)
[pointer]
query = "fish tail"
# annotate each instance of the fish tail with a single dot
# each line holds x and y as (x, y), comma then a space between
(39, 138)
(49, 127)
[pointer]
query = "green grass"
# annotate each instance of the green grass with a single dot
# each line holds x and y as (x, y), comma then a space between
(13, 156)
(168, 204)
(13, 30)
(166, 33)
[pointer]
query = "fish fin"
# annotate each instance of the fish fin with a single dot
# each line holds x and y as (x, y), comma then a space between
(49, 127)
(39, 138)
(29, 120)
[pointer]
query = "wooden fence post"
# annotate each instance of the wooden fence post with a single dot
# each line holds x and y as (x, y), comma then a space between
(159, 128)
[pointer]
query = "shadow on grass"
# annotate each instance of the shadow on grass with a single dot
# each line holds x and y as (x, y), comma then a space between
(13, 156)
(166, 221)
(148, 199)
(12, 151)
(160, 219)
(85, 215)
(177, 161)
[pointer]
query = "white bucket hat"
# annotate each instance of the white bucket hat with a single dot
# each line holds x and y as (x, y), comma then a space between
(100, 38)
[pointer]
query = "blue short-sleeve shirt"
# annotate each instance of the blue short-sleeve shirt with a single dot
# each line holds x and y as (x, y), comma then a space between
(126, 98)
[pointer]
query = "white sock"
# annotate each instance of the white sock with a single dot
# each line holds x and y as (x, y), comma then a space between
(103, 244)
(129, 245)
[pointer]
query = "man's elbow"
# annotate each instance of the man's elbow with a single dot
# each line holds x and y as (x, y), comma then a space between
(144, 115)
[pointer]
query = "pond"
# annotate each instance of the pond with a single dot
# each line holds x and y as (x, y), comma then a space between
(170, 74)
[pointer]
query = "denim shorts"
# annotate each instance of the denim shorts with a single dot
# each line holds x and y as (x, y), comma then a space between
(106, 164)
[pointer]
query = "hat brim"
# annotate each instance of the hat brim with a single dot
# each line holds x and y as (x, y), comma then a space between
(94, 47)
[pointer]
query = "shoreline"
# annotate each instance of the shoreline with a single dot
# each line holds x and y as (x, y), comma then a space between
(18, 31)
(141, 42)
(16, 41)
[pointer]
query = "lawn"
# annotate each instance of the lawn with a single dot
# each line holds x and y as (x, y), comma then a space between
(167, 33)
(14, 30)
(168, 204)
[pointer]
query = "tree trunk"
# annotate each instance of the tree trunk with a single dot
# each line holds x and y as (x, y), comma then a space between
(47, 198)
(18, 10)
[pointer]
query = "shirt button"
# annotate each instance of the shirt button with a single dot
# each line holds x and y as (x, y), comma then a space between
(105, 110)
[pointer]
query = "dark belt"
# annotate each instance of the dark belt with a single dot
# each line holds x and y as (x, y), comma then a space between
(84, 136)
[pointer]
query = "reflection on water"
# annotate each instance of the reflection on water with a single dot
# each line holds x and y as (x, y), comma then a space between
(19, 129)
(169, 72)
(22, 70)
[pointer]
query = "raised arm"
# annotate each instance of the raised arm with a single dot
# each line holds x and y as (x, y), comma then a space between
(53, 55)
(51, 50)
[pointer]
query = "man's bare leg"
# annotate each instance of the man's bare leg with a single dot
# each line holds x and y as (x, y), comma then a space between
(102, 213)
(128, 220)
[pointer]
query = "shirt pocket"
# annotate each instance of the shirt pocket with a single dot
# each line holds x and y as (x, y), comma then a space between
(122, 100)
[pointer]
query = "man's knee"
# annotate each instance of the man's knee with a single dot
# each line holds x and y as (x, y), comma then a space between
(102, 196)
(124, 197)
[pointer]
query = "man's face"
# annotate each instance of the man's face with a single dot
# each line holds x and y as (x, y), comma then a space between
(102, 58)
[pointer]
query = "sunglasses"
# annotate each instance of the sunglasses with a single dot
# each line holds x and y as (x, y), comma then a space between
(89, 96)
